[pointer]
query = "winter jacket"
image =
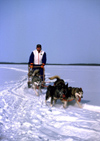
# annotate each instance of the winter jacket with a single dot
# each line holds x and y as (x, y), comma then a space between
(37, 58)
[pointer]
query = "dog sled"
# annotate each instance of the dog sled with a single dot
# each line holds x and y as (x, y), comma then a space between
(31, 71)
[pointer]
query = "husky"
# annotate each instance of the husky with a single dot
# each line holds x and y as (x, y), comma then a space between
(74, 93)
(36, 81)
(58, 91)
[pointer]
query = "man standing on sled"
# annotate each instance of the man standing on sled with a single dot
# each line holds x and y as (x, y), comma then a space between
(37, 60)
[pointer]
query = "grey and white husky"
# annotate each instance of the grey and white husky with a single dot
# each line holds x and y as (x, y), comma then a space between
(36, 81)
(74, 93)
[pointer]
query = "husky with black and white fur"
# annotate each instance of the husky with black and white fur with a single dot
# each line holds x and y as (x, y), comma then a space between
(36, 81)
(58, 91)
(74, 93)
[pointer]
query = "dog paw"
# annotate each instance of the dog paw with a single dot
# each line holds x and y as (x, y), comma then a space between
(64, 107)
(80, 106)
(45, 102)
(51, 105)
(37, 94)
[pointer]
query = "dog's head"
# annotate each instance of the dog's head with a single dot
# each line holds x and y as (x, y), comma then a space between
(79, 93)
(37, 83)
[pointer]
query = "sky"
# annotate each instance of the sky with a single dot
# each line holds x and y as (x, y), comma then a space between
(68, 30)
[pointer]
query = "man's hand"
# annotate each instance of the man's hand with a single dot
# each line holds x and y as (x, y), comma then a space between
(42, 66)
(31, 65)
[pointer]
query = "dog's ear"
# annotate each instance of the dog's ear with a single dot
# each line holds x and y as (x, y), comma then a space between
(67, 85)
(81, 89)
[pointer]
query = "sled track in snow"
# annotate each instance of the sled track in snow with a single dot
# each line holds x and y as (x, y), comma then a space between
(24, 116)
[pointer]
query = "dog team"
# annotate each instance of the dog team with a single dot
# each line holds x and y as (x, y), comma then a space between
(59, 90)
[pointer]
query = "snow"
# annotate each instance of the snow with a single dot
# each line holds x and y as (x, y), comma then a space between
(25, 116)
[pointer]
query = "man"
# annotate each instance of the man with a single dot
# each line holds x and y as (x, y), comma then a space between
(38, 59)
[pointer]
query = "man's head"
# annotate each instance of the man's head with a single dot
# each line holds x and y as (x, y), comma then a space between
(38, 47)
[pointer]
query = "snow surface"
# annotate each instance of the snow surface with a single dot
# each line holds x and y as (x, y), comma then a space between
(25, 116)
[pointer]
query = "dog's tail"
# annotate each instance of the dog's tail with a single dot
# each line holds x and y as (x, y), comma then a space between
(35, 72)
(54, 77)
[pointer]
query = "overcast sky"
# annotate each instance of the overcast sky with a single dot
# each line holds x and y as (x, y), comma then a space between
(68, 30)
